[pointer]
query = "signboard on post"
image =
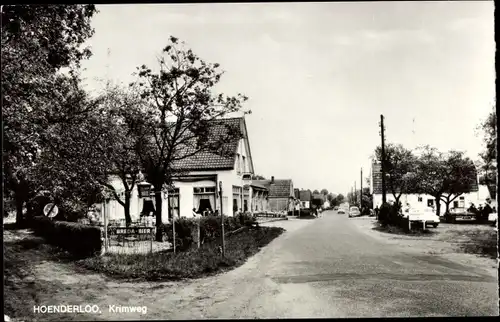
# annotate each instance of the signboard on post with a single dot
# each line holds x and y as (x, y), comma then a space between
(144, 189)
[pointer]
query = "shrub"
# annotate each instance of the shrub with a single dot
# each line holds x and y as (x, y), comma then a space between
(210, 229)
(305, 212)
(80, 240)
(190, 264)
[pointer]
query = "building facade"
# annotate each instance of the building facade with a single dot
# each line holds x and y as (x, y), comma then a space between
(203, 175)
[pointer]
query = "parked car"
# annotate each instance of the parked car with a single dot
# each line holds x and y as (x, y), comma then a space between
(492, 218)
(354, 212)
(426, 215)
(459, 214)
(336, 208)
(341, 211)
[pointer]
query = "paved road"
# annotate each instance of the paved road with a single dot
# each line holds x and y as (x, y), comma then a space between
(331, 268)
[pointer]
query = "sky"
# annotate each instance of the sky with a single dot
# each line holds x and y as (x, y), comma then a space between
(319, 75)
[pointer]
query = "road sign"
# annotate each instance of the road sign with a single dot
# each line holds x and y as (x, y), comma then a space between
(50, 210)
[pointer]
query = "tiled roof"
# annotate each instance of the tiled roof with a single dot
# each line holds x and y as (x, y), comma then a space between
(258, 185)
(305, 195)
(377, 181)
(279, 189)
(209, 160)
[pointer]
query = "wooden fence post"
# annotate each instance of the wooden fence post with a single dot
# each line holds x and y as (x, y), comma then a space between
(151, 237)
(199, 235)
(173, 230)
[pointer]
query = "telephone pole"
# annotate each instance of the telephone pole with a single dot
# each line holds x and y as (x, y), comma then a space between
(382, 129)
(355, 196)
(361, 192)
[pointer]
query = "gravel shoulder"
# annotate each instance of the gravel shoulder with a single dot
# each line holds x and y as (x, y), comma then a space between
(448, 241)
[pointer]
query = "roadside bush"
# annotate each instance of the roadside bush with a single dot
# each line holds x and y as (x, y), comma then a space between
(186, 229)
(80, 240)
(194, 263)
(305, 212)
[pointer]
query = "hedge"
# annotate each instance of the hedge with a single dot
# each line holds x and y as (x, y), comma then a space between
(78, 239)
(186, 229)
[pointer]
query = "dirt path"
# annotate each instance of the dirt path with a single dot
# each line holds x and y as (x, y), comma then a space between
(195, 299)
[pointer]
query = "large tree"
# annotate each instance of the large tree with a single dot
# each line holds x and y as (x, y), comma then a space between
(462, 177)
(445, 176)
(489, 155)
(123, 119)
(324, 192)
(398, 165)
(181, 102)
(37, 41)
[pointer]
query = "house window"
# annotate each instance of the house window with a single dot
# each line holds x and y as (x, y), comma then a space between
(455, 204)
(462, 198)
(244, 164)
(419, 199)
(173, 203)
(303, 204)
(245, 205)
(430, 202)
(204, 199)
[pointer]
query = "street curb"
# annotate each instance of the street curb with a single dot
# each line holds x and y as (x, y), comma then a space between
(272, 220)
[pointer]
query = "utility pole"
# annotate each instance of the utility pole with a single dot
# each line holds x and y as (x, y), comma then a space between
(223, 248)
(355, 193)
(361, 192)
(382, 129)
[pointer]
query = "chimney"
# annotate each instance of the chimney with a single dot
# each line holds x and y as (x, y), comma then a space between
(272, 179)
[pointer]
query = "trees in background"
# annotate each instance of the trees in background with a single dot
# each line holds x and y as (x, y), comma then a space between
(180, 102)
(445, 176)
(37, 43)
(489, 155)
(399, 166)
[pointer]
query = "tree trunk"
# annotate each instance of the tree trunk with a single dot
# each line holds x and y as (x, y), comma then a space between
(447, 202)
(19, 209)
(128, 219)
(438, 205)
(158, 200)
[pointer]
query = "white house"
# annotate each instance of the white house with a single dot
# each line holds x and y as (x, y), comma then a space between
(418, 201)
(198, 186)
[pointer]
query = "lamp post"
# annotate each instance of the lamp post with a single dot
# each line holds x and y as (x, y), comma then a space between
(221, 218)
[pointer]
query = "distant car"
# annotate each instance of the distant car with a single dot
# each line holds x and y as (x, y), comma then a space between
(459, 214)
(492, 218)
(341, 211)
(427, 215)
(354, 212)
(336, 208)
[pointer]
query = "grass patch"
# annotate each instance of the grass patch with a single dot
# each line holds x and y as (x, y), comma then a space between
(190, 264)
(481, 242)
(396, 230)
